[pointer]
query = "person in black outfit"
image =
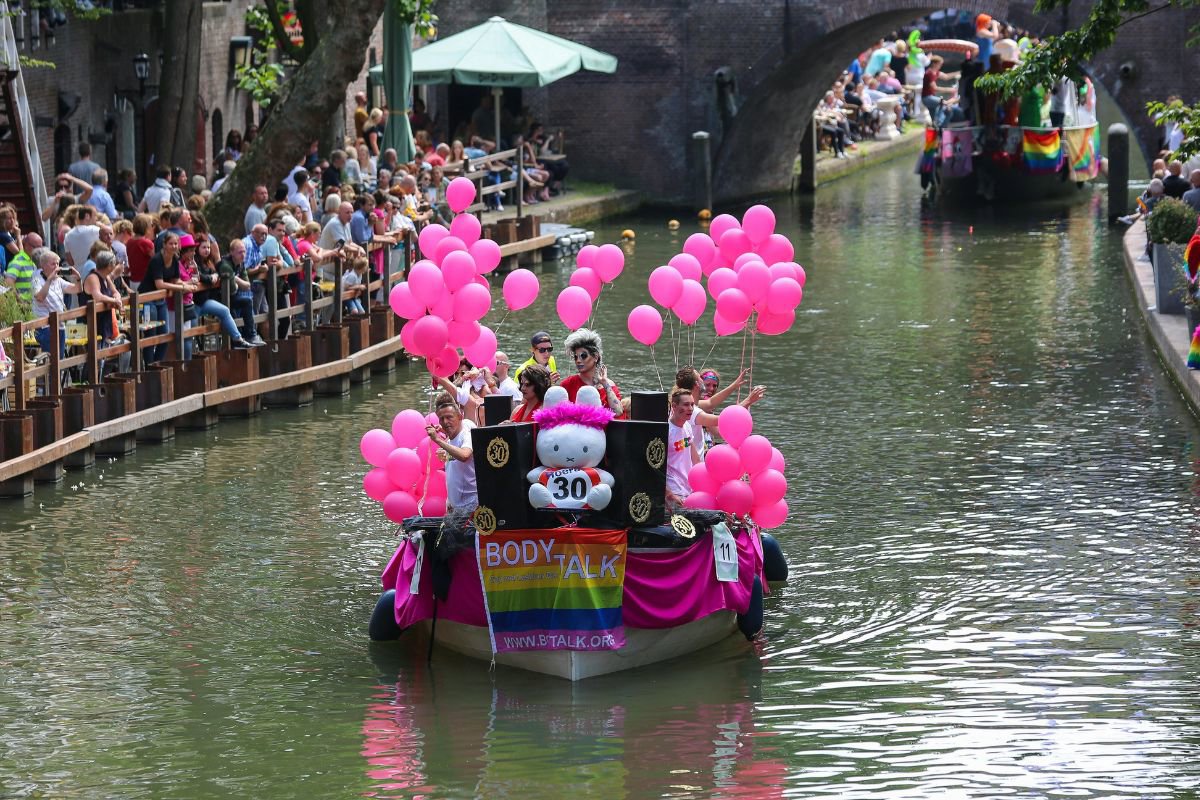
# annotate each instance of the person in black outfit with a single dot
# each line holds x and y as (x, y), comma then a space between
(1174, 185)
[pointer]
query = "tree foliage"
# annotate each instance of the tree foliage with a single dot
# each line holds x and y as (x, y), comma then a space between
(1062, 55)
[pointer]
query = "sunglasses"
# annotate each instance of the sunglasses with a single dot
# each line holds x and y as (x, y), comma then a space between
(584, 356)
(545, 349)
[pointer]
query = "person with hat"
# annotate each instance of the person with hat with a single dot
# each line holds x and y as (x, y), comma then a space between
(542, 353)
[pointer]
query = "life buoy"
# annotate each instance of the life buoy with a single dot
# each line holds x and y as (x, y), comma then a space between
(750, 623)
(774, 564)
(383, 627)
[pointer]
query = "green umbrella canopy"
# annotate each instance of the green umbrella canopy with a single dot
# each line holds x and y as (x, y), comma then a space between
(501, 53)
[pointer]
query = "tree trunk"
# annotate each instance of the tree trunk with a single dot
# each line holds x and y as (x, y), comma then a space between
(179, 83)
(314, 94)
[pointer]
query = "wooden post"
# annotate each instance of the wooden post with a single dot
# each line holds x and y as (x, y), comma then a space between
(306, 275)
(18, 329)
(54, 380)
(179, 348)
(337, 287)
(93, 357)
(808, 159)
(520, 178)
(135, 332)
(272, 289)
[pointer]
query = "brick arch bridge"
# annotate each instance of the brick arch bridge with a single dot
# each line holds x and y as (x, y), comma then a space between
(634, 128)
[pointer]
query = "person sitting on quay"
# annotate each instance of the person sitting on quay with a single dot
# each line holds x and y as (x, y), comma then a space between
(207, 299)
(1174, 184)
(100, 287)
(453, 438)
(533, 383)
(684, 446)
(49, 287)
(584, 345)
(1192, 195)
(241, 298)
(1146, 202)
(542, 352)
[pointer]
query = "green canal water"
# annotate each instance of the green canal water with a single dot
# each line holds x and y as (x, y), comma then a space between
(993, 548)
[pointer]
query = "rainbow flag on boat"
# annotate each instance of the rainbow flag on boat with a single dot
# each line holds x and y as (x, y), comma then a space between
(1083, 153)
(1042, 151)
(556, 589)
(1193, 360)
(928, 160)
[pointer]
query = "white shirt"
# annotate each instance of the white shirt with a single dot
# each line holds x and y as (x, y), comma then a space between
(682, 442)
(79, 241)
(509, 387)
(334, 230)
(54, 296)
(461, 493)
(158, 193)
(300, 200)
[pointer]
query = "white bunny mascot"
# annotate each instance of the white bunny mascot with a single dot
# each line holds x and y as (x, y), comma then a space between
(570, 446)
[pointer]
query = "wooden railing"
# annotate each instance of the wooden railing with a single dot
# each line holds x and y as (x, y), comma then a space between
(52, 371)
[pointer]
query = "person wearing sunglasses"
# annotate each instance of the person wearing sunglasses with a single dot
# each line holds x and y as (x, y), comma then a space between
(542, 353)
(584, 347)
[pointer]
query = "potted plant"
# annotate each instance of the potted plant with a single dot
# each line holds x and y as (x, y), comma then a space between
(1169, 228)
(12, 309)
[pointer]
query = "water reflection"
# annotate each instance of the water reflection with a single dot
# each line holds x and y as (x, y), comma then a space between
(680, 730)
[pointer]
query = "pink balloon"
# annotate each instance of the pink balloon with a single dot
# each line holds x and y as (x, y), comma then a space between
(666, 284)
(406, 336)
(734, 306)
(691, 302)
(774, 324)
(444, 364)
(462, 334)
(771, 516)
(721, 279)
(784, 269)
(744, 259)
(775, 249)
(759, 223)
(375, 446)
(725, 466)
(574, 307)
(587, 279)
(460, 194)
(610, 260)
(471, 302)
(408, 428)
(426, 283)
(735, 497)
(429, 237)
(377, 484)
(720, 224)
(801, 275)
(403, 467)
(433, 506)
(444, 307)
(399, 506)
(733, 243)
(403, 303)
(430, 336)
(755, 453)
(769, 487)
(776, 463)
(520, 289)
(446, 246)
(431, 419)
(700, 500)
(484, 348)
(755, 280)
(586, 257)
(725, 327)
(700, 480)
(735, 423)
(784, 296)
(466, 228)
(458, 269)
(486, 254)
(645, 324)
(688, 266)
(424, 447)
(700, 246)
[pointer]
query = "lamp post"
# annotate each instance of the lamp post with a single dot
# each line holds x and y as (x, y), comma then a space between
(141, 69)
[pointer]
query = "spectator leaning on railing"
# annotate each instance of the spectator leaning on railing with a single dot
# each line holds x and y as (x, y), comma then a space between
(49, 287)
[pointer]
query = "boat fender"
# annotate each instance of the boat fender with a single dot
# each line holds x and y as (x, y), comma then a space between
(383, 627)
(751, 622)
(774, 564)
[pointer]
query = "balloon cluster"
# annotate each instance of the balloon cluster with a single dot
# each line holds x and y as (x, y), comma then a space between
(743, 476)
(594, 267)
(408, 477)
(750, 273)
(447, 294)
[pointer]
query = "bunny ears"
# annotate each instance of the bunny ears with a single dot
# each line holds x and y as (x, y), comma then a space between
(556, 410)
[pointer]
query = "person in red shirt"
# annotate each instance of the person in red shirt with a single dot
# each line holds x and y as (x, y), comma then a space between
(584, 347)
(140, 249)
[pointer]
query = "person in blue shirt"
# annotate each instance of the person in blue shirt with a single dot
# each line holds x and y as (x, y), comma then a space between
(101, 200)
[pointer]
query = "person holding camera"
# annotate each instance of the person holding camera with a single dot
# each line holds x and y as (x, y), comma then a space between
(49, 284)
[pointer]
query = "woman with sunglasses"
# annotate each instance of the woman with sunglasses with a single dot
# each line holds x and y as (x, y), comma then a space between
(534, 381)
(584, 347)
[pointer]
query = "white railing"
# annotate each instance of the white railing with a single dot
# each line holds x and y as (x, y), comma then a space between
(12, 63)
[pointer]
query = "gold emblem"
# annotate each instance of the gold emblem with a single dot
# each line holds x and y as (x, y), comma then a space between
(639, 507)
(683, 526)
(497, 452)
(656, 453)
(485, 521)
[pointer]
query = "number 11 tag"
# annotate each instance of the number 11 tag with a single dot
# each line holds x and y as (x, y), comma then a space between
(724, 554)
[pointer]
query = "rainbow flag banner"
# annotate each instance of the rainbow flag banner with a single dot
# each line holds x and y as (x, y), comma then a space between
(1042, 151)
(928, 159)
(1082, 154)
(555, 589)
(1193, 359)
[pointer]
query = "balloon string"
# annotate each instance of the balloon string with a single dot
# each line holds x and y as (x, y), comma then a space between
(656, 372)
(674, 352)
(753, 338)
(501, 322)
(710, 352)
(595, 307)
(742, 360)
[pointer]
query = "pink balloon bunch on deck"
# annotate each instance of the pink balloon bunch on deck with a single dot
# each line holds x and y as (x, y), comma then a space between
(594, 267)
(447, 294)
(750, 273)
(408, 478)
(743, 476)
